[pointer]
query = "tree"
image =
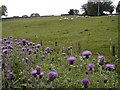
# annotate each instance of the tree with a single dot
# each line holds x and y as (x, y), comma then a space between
(35, 15)
(84, 8)
(97, 8)
(76, 12)
(3, 10)
(118, 8)
(73, 12)
(107, 6)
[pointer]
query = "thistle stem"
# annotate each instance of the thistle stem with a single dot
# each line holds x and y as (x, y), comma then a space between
(100, 77)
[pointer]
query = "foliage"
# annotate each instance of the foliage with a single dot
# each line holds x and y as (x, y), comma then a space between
(97, 8)
(3, 10)
(118, 8)
(73, 12)
(35, 15)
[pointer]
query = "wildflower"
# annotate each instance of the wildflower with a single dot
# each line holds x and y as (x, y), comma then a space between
(25, 59)
(30, 43)
(5, 51)
(86, 54)
(91, 67)
(110, 67)
(47, 49)
(8, 41)
(34, 73)
(38, 45)
(45, 52)
(41, 75)
(85, 82)
(4, 65)
(70, 47)
(30, 51)
(71, 59)
(10, 75)
(52, 75)
(23, 49)
(9, 46)
(38, 68)
(24, 41)
(4, 39)
(4, 47)
(101, 59)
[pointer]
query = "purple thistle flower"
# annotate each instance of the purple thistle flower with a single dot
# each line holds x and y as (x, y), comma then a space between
(101, 59)
(38, 68)
(10, 46)
(27, 42)
(52, 75)
(38, 45)
(47, 49)
(10, 75)
(4, 65)
(86, 54)
(34, 73)
(16, 40)
(33, 44)
(8, 41)
(85, 82)
(5, 51)
(45, 52)
(71, 59)
(25, 59)
(30, 51)
(4, 39)
(30, 43)
(23, 49)
(41, 75)
(110, 67)
(23, 41)
(70, 47)
(3, 47)
(91, 67)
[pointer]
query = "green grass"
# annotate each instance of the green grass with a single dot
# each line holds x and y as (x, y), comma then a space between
(66, 32)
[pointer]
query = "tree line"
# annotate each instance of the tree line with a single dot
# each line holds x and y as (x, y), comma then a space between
(96, 8)
(90, 9)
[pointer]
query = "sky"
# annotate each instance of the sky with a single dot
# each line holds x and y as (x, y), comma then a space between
(43, 7)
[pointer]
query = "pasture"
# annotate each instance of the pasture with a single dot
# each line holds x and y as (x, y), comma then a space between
(96, 34)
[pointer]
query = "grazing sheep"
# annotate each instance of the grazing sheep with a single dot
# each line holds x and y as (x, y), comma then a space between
(65, 18)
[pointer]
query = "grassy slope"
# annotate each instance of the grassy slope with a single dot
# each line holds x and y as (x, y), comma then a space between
(66, 32)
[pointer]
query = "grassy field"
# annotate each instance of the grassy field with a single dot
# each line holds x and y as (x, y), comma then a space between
(94, 33)
(67, 32)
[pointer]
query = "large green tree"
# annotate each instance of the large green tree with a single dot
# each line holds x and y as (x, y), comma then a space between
(3, 10)
(118, 8)
(97, 8)
(73, 12)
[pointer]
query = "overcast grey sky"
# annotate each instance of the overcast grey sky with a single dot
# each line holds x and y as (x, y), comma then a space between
(43, 7)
